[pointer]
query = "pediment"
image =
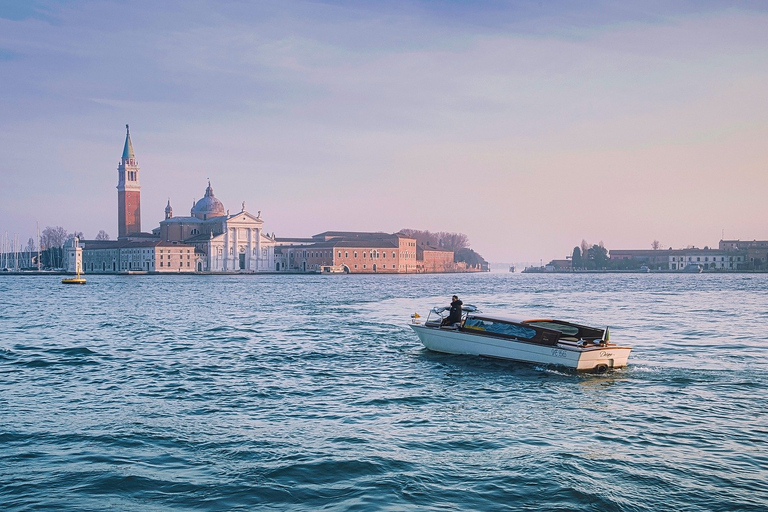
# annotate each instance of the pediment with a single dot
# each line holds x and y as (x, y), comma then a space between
(241, 218)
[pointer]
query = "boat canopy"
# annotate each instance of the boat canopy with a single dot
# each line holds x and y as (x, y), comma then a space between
(569, 329)
(491, 326)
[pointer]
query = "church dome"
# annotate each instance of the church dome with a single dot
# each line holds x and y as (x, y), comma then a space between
(208, 206)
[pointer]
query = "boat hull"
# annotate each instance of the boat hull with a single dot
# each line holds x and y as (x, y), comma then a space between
(568, 355)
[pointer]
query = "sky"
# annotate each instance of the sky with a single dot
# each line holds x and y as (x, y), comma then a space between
(527, 126)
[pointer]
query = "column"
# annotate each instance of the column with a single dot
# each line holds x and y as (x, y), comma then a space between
(235, 252)
(225, 255)
(257, 231)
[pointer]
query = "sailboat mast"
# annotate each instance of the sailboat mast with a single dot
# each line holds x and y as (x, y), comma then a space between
(38, 246)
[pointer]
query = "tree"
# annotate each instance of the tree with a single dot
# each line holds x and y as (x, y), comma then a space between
(597, 256)
(103, 235)
(31, 247)
(470, 257)
(584, 248)
(452, 241)
(422, 237)
(443, 239)
(78, 234)
(53, 237)
(656, 245)
(576, 258)
(51, 240)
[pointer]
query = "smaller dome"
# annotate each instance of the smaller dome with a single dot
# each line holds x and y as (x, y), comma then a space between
(208, 206)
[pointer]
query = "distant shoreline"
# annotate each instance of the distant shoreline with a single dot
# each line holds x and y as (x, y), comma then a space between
(265, 273)
(717, 271)
(284, 273)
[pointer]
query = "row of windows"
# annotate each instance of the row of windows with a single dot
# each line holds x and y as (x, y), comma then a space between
(181, 264)
(706, 258)
(706, 265)
(132, 266)
(374, 254)
(327, 254)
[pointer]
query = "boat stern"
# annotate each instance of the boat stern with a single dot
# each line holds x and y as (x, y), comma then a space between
(603, 359)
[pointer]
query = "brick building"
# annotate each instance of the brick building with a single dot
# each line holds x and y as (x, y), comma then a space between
(432, 259)
(350, 252)
(756, 252)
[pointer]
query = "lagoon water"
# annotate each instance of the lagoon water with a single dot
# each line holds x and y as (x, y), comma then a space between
(285, 392)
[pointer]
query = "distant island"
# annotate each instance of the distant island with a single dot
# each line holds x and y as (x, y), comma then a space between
(214, 240)
(729, 256)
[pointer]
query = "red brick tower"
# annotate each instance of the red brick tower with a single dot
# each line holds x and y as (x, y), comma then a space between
(128, 191)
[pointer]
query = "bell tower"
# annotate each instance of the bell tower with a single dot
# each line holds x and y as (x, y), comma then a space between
(128, 191)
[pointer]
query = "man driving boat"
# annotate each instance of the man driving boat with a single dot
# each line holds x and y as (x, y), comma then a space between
(454, 316)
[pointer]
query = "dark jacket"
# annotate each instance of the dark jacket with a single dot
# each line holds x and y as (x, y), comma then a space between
(455, 315)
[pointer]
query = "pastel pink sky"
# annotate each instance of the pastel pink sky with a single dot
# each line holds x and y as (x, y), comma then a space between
(526, 127)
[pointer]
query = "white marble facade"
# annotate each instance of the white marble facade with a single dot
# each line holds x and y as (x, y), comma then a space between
(241, 246)
(230, 242)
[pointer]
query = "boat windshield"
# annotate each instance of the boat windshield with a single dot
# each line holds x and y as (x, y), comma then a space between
(507, 329)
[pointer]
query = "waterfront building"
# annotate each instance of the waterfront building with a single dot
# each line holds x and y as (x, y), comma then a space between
(657, 259)
(559, 266)
(351, 252)
(679, 259)
(756, 257)
(432, 259)
(140, 256)
(707, 259)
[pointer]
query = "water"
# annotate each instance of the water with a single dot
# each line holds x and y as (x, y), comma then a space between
(310, 392)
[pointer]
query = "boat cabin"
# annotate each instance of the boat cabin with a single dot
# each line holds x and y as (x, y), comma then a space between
(489, 326)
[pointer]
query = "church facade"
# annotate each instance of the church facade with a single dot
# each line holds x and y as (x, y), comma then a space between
(230, 242)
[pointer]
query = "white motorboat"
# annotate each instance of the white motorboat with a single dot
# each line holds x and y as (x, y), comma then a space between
(543, 340)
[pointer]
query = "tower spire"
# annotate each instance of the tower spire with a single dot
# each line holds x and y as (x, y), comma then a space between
(128, 148)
